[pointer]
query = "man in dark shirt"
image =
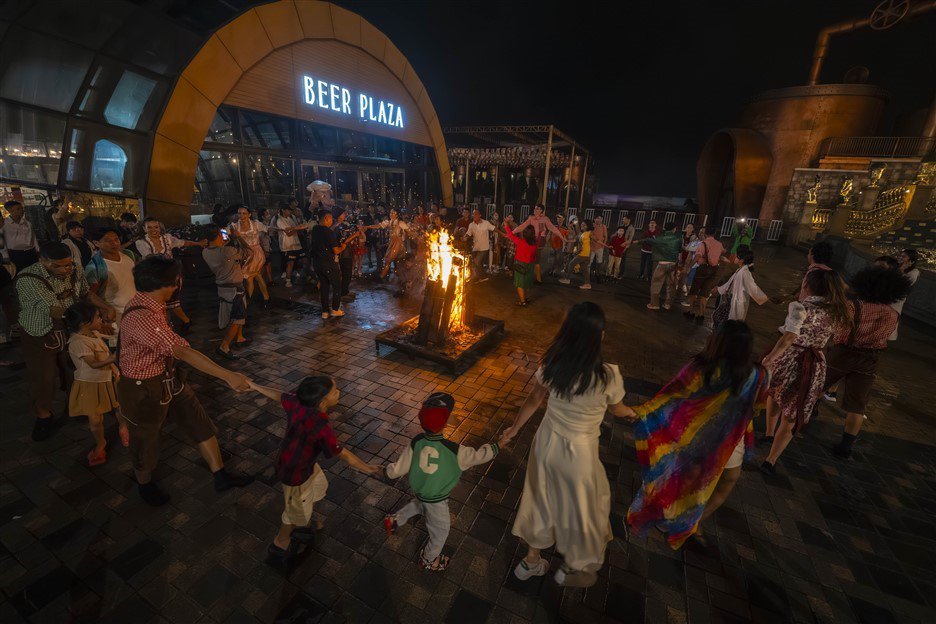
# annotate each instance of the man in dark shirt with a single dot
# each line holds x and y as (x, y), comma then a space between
(345, 233)
(325, 250)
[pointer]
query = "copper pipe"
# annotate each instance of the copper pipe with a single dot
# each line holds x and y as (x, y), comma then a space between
(929, 128)
(822, 41)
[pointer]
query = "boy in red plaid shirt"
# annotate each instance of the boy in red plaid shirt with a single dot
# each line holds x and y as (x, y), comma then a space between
(308, 436)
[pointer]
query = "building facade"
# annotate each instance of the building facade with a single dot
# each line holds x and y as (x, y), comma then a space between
(177, 108)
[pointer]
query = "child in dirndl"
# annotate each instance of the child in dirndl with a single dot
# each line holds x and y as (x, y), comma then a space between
(93, 393)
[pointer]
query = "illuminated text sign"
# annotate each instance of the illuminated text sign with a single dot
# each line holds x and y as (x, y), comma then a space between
(336, 98)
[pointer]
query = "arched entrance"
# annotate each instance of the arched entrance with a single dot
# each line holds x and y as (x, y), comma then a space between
(279, 35)
(732, 174)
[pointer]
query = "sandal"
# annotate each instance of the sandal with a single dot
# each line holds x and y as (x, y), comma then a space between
(96, 458)
(439, 564)
(124, 435)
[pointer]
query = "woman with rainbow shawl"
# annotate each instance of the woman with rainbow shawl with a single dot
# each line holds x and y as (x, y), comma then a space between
(692, 437)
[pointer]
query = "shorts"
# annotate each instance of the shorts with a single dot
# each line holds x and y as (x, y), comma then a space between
(146, 412)
(704, 280)
(854, 370)
(737, 455)
(232, 307)
(294, 254)
(298, 500)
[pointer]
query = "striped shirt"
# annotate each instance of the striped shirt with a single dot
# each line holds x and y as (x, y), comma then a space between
(37, 300)
(146, 339)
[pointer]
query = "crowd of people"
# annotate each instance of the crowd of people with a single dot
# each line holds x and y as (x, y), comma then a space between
(98, 315)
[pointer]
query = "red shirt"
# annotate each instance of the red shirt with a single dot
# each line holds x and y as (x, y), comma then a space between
(876, 322)
(308, 435)
(146, 339)
(618, 245)
(525, 251)
(648, 233)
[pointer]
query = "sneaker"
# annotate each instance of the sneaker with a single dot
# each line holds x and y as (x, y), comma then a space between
(152, 495)
(525, 571)
(337, 313)
(44, 428)
(288, 283)
(684, 304)
(650, 306)
(585, 287)
(564, 280)
(390, 524)
(567, 577)
(667, 306)
(767, 468)
(283, 275)
(829, 396)
(224, 480)
(325, 316)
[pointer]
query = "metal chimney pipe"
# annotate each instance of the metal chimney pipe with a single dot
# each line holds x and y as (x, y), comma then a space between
(822, 41)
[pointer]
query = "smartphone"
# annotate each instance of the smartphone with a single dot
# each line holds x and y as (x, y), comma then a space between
(224, 234)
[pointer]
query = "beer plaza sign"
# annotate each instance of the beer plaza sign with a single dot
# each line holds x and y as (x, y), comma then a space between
(336, 98)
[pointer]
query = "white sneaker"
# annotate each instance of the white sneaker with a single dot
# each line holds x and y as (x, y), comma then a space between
(829, 396)
(564, 280)
(325, 315)
(283, 275)
(684, 304)
(524, 572)
(585, 287)
(337, 312)
(288, 283)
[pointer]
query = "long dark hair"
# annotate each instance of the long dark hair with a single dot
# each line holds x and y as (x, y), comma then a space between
(312, 390)
(572, 363)
(728, 350)
(829, 284)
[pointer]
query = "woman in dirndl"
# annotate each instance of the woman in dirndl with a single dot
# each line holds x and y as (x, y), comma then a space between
(155, 242)
(249, 231)
(397, 229)
(797, 363)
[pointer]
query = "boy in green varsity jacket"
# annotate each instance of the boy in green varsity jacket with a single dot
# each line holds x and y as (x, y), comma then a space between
(434, 465)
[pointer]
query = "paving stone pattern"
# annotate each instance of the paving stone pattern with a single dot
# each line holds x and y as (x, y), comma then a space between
(823, 541)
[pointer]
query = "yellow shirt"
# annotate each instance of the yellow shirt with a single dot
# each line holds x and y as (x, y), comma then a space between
(586, 244)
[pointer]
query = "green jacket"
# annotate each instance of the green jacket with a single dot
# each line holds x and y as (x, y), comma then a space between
(435, 465)
(666, 247)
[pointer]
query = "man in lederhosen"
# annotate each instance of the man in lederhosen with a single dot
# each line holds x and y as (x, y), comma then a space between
(45, 290)
(149, 388)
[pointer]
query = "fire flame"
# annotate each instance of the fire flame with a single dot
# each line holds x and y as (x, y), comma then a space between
(441, 262)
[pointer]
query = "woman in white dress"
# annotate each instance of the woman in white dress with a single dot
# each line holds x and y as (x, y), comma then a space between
(906, 262)
(566, 498)
(741, 287)
(156, 242)
(249, 231)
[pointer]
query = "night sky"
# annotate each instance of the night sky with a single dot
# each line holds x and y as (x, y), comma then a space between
(643, 85)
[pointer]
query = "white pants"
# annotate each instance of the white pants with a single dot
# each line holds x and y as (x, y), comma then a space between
(438, 523)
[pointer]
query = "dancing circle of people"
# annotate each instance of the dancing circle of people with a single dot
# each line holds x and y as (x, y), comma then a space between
(106, 335)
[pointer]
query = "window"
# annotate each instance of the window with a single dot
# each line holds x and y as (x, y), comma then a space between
(41, 71)
(105, 159)
(270, 180)
(355, 144)
(415, 186)
(415, 154)
(121, 97)
(217, 180)
(388, 149)
(151, 41)
(318, 138)
(222, 126)
(264, 130)
(31, 144)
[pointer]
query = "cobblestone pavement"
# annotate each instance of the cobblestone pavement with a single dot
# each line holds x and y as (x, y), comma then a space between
(823, 541)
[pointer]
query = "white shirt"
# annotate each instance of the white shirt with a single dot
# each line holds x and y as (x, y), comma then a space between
(120, 288)
(480, 239)
(287, 242)
(19, 236)
(80, 346)
(743, 289)
(169, 242)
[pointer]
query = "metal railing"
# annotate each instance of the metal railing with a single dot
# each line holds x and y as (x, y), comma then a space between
(881, 147)
(773, 232)
(888, 208)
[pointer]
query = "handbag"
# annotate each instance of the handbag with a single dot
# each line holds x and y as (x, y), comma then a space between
(722, 310)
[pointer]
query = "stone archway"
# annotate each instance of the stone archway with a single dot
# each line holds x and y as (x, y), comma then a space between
(233, 50)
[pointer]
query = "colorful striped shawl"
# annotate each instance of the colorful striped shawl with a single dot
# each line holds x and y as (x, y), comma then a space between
(684, 437)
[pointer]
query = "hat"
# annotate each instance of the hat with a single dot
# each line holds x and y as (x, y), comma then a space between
(435, 411)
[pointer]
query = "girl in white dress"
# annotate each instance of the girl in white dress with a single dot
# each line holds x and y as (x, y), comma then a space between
(156, 242)
(566, 498)
(249, 231)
